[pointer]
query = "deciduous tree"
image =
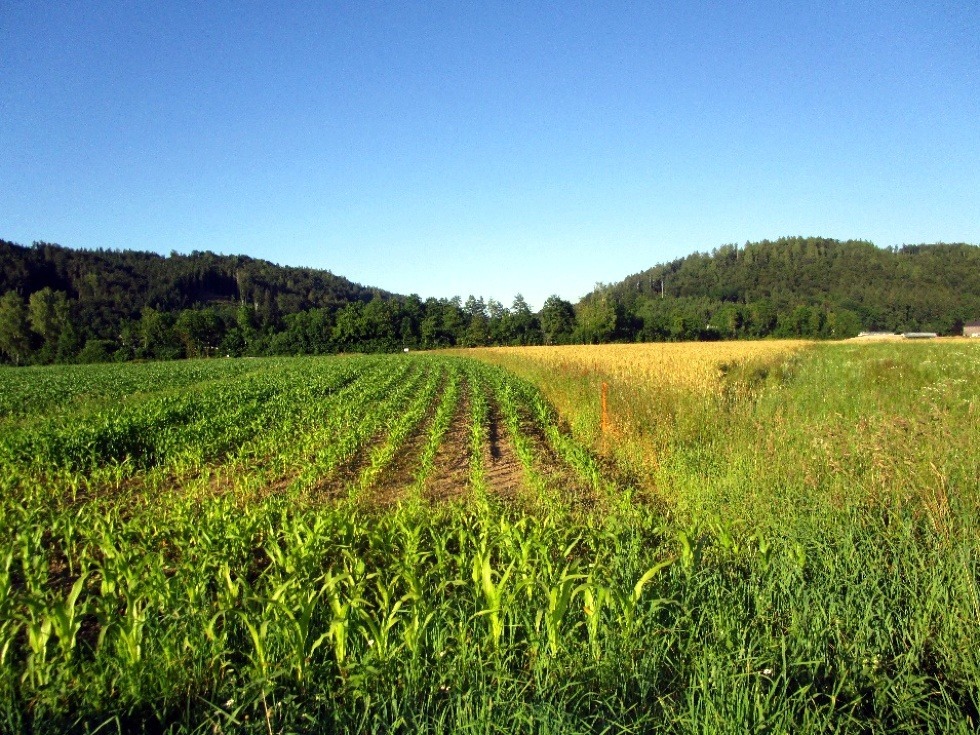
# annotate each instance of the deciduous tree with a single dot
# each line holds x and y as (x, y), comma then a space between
(15, 338)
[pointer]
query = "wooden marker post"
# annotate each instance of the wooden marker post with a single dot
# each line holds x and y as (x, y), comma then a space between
(604, 420)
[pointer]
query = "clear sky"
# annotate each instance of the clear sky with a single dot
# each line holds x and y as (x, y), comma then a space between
(486, 147)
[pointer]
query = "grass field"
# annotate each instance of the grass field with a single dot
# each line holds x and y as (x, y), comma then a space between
(770, 538)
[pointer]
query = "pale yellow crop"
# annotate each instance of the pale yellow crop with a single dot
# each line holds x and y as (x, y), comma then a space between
(694, 365)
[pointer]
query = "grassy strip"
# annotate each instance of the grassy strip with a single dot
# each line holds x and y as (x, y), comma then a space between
(294, 615)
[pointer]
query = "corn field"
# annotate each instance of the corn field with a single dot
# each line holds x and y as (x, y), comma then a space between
(434, 543)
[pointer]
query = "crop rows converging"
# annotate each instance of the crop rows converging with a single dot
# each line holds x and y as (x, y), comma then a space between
(358, 428)
(165, 536)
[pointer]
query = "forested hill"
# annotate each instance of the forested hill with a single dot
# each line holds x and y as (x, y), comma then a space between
(812, 287)
(125, 304)
(63, 305)
(113, 284)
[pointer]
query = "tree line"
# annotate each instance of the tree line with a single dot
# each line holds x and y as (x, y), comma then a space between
(62, 305)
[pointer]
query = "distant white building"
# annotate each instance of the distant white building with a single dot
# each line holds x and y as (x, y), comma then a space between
(879, 335)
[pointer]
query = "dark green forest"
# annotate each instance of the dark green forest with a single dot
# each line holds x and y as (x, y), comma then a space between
(63, 305)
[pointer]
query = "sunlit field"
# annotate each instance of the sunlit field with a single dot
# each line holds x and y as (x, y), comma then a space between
(853, 421)
(654, 393)
(691, 365)
(769, 536)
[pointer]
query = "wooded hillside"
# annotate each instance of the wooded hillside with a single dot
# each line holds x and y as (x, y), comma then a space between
(806, 287)
(63, 305)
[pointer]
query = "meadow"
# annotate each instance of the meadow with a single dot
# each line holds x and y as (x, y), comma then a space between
(753, 537)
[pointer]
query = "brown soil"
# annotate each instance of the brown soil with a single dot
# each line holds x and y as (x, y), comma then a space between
(398, 476)
(450, 477)
(451, 474)
(337, 483)
(504, 473)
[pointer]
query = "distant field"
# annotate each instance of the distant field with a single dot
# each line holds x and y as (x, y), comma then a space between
(693, 365)
(768, 536)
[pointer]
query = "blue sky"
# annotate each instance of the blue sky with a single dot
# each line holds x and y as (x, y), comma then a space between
(487, 148)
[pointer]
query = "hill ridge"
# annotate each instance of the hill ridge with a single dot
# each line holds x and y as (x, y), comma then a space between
(63, 305)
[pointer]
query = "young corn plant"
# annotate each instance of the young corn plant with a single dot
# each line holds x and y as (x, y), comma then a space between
(340, 604)
(399, 426)
(440, 425)
(560, 597)
(506, 399)
(9, 625)
(297, 626)
(627, 602)
(378, 623)
(66, 618)
(491, 589)
(596, 598)
(38, 670)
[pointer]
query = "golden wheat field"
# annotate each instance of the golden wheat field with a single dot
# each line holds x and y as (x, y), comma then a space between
(632, 401)
(691, 365)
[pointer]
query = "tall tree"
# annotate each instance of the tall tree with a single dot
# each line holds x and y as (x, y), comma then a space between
(557, 320)
(200, 331)
(157, 339)
(15, 337)
(522, 327)
(47, 312)
(596, 320)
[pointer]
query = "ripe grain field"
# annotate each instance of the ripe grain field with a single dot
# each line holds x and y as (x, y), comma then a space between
(762, 537)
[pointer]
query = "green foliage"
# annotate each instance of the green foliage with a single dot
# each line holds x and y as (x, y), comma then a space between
(557, 321)
(596, 320)
(15, 342)
(200, 331)
(96, 350)
(203, 304)
(805, 287)
(185, 547)
(48, 314)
